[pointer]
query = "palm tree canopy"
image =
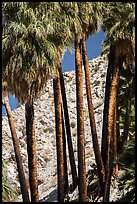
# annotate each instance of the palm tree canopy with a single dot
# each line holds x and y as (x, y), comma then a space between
(119, 26)
(31, 57)
(91, 14)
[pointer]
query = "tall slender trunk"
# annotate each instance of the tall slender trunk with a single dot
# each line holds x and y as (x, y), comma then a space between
(59, 139)
(111, 62)
(98, 158)
(110, 141)
(22, 179)
(80, 123)
(118, 130)
(31, 149)
(127, 118)
(65, 156)
(68, 131)
(115, 168)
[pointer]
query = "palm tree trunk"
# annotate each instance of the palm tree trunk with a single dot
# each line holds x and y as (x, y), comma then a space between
(118, 130)
(111, 62)
(65, 156)
(127, 118)
(115, 168)
(59, 139)
(66, 115)
(98, 158)
(110, 141)
(22, 179)
(80, 123)
(31, 149)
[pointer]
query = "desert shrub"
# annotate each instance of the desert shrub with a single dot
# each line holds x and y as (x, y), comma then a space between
(9, 194)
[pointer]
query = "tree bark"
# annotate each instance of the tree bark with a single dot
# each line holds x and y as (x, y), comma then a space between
(110, 141)
(115, 168)
(118, 130)
(31, 149)
(65, 156)
(22, 179)
(98, 158)
(111, 62)
(68, 131)
(127, 118)
(59, 139)
(80, 123)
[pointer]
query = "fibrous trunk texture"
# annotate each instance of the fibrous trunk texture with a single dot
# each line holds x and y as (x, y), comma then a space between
(31, 149)
(22, 179)
(80, 123)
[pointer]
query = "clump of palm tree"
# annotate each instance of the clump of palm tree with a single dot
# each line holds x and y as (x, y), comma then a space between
(120, 38)
(35, 36)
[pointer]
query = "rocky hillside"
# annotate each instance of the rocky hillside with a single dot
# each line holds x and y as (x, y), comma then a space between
(45, 133)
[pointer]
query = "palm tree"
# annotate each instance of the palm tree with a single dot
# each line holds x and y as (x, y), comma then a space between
(90, 14)
(111, 61)
(70, 10)
(27, 69)
(115, 141)
(81, 26)
(69, 17)
(22, 179)
(110, 142)
(57, 34)
(117, 64)
(66, 115)
(80, 123)
(31, 149)
(98, 157)
(59, 139)
(106, 105)
(121, 40)
(66, 184)
(115, 33)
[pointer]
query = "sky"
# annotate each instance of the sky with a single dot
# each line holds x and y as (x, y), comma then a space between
(93, 45)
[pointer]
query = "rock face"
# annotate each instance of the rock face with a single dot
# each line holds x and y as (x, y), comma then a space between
(45, 130)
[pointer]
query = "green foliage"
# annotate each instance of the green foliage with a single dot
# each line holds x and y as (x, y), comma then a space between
(96, 83)
(45, 130)
(132, 124)
(127, 160)
(28, 57)
(122, 116)
(96, 68)
(73, 124)
(8, 193)
(119, 23)
(46, 159)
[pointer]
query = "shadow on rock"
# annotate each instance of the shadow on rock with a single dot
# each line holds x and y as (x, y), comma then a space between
(52, 197)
